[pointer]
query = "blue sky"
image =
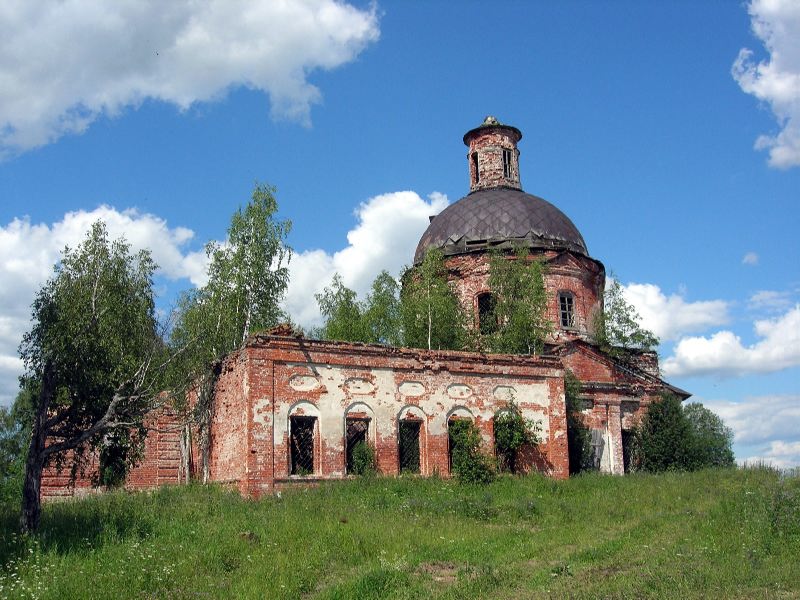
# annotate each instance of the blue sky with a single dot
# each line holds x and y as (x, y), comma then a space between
(668, 132)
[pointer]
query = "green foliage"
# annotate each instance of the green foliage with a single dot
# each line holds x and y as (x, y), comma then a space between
(468, 462)
(579, 439)
(15, 432)
(344, 315)
(711, 439)
(375, 321)
(94, 325)
(431, 314)
(520, 304)
(382, 311)
(664, 438)
(364, 462)
(512, 431)
(617, 327)
(248, 277)
(672, 437)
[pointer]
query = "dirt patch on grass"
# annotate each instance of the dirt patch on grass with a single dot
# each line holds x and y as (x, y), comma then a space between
(440, 572)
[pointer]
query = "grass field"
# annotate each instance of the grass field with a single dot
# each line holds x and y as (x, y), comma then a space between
(712, 534)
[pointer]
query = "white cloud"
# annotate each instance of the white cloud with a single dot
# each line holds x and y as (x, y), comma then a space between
(770, 300)
(670, 317)
(751, 258)
(29, 252)
(64, 63)
(779, 454)
(723, 354)
(388, 229)
(775, 81)
(761, 419)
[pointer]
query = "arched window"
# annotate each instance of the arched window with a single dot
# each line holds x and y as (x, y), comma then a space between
(410, 422)
(566, 309)
(303, 420)
(487, 319)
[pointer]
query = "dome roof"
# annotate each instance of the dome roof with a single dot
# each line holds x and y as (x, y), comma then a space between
(500, 217)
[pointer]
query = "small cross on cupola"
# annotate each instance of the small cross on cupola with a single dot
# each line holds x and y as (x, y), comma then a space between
(493, 155)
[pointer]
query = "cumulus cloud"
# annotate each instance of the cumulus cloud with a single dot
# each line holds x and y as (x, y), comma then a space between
(385, 236)
(751, 259)
(775, 81)
(29, 252)
(64, 63)
(723, 354)
(670, 317)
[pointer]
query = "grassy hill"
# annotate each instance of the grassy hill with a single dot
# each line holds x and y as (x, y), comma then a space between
(718, 534)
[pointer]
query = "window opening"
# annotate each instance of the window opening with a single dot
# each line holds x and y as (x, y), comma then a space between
(409, 445)
(475, 167)
(356, 432)
(627, 443)
(302, 445)
(507, 164)
(487, 319)
(567, 309)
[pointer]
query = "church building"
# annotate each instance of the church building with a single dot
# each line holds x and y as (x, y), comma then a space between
(288, 410)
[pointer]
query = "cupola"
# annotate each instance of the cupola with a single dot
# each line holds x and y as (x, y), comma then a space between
(493, 155)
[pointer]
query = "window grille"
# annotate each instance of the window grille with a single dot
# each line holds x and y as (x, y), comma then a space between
(507, 164)
(567, 310)
(302, 445)
(356, 432)
(409, 446)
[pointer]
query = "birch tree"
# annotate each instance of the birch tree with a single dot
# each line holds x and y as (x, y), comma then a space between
(430, 311)
(94, 355)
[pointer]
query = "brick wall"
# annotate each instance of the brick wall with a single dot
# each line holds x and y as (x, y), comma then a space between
(565, 272)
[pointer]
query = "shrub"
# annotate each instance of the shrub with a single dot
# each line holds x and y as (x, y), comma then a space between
(364, 459)
(512, 431)
(467, 462)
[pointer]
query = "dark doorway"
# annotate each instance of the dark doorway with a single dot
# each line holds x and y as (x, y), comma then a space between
(356, 432)
(627, 449)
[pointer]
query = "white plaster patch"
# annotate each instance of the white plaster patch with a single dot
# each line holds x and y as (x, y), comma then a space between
(358, 385)
(505, 393)
(303, 383)
(262, 412)
(459, 390)
(411, 389)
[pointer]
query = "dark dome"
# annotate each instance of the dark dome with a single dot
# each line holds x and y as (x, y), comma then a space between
(500, 217)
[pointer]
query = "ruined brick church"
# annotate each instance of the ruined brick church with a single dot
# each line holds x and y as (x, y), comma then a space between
(290, 410)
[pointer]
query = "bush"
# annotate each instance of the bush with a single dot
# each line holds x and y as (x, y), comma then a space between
(675, 438)
(512, 431)
(364, 459)
(467, 462)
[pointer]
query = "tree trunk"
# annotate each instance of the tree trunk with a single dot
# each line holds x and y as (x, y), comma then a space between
(34, 464)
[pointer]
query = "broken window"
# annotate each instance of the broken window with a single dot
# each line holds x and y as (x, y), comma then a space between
(475, 167)
(566, 304)
(487, 319)
(507, 164)
(409, 445)
(302, 445)
(356, 432)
